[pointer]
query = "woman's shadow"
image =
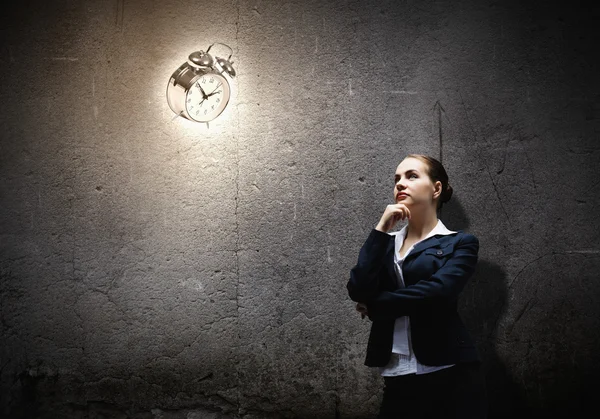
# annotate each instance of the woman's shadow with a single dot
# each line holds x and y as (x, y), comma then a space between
(482, 305)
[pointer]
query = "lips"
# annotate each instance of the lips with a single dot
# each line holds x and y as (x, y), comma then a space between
(401, 195)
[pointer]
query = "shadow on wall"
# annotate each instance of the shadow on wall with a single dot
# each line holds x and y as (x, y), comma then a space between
(484, 302)
(539, 337)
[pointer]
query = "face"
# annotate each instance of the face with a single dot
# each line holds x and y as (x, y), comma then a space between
(411, 179)
(207, 98)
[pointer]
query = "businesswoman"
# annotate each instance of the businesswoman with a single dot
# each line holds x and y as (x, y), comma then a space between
(408, 282)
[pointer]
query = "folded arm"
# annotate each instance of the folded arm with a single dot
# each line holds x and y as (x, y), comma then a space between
(444, 285)
(364, 276)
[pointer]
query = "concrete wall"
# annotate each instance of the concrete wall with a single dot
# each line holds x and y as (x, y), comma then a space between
(156, 268)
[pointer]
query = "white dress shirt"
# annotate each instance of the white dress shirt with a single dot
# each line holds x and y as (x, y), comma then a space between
(403, 360)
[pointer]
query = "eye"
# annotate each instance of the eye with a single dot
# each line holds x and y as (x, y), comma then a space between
(413, 175)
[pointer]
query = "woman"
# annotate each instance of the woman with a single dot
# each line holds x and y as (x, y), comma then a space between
(408, 283)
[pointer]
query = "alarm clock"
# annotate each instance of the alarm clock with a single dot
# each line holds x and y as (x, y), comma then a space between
(199, 89)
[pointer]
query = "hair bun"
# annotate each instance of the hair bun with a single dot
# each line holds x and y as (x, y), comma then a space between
(447, 193)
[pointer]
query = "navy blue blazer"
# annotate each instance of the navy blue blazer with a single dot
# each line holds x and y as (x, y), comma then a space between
(434, 272)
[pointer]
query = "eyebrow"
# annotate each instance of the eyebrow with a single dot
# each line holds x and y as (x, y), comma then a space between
(409, 170)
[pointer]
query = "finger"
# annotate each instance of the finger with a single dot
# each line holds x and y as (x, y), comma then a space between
(403, 210)
(402, 214)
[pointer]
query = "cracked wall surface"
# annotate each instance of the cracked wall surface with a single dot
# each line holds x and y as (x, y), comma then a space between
(155, 268)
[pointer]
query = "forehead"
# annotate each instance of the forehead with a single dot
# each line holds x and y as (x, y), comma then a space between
(411, 164)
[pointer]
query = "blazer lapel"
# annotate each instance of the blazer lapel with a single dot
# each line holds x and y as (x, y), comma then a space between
(389, 261)
(419, 247)
(423, 245)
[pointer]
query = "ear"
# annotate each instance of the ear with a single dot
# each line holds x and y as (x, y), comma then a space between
(437, 189)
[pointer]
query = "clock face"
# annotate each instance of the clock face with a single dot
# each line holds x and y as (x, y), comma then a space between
(207, 97)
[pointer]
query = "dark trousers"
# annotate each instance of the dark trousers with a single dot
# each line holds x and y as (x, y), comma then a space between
(454, 392)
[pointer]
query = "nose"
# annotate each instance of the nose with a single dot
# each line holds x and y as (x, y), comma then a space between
(400, 186)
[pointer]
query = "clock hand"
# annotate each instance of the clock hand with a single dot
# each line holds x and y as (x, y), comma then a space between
(214, 92)
(202, 90)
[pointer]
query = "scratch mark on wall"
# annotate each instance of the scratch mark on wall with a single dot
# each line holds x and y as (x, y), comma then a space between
(302, 190)
(237, 225)
(95, 108)
(530, 167)
(585, 251)
(120, 14)
(521, 313)
(497, 192)
(329, 259)
(350, 92)
(402, 92)
(294, 210)
(65, 59)
(316, 44)
(438, 108)
(524, 267)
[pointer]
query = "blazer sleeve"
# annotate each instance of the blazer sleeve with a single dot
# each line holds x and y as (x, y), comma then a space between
(445, 284)
(365, 275)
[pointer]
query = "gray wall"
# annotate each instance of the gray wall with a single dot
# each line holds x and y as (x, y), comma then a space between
(156, 268)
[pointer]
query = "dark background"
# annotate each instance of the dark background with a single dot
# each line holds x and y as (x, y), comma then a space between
(157, 268)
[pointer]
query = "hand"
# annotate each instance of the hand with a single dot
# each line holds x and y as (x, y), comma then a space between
(392, 214)
(362, 309)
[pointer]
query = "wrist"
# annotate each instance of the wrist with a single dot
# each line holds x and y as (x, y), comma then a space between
(381, 228)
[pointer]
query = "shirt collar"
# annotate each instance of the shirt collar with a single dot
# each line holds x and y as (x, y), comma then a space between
(440, 229)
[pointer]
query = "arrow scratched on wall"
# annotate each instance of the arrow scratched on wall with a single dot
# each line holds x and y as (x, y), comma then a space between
(438, 109)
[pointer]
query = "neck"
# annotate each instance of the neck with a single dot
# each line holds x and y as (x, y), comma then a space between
(420, 224)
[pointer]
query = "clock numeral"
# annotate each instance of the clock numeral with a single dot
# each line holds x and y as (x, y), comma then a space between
(212, 107)
(212, 80)
(205, 110)
(203, 81)
(191, 107)
(189, 100)
(218, 100)
(197, 111)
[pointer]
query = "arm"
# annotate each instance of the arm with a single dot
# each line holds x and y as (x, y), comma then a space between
(442, 286)
(364, 276)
